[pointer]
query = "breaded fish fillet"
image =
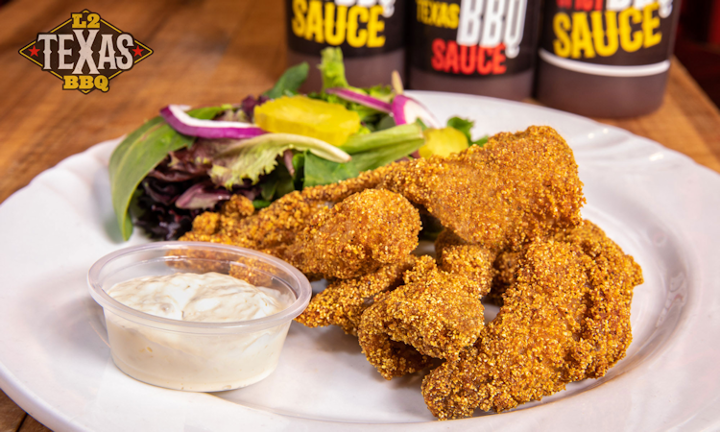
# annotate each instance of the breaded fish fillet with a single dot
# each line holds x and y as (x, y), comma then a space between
(456, 256)
(269, 230)
(566, 318)
(360, 234)
(436, 313)
(343, 301)
(515, 188)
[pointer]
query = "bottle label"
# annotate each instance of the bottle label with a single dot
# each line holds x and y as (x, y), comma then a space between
(473, 38)
(609, 37)
(359, 27)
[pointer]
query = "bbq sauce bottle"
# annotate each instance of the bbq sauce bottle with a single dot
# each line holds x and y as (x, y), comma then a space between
(606, 58)
(484, 47)
(371, 34)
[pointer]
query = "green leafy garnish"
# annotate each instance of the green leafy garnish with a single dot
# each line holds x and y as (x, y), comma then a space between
(462, 125)
(385, 138)
(332, 71)
(386, 122)
(382, 92)
(259, 204)
(253, 157)
(481, 141)
(332, 68)
(276, 184)
(320, 171)
(465, 126)
(378, 157)
(138, 154)
(289, 82)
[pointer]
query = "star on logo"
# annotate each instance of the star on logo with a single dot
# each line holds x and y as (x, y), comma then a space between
(34, 51)
(138, 51)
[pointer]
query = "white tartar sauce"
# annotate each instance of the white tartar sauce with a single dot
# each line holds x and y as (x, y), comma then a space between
(209, 297)
(196, 361)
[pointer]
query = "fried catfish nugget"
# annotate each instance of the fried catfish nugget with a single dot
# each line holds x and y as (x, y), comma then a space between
(566, 318)
(360, 234)
(515, 188)
(455, 255)
(270, 230)
(612, 276)
(232, 211)
(504, 271)
(343, 301)
(435, 314)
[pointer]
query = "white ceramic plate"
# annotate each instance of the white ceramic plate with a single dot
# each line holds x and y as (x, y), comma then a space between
(657, 204)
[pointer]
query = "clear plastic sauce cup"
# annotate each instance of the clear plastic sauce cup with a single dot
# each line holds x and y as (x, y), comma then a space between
(196, 356)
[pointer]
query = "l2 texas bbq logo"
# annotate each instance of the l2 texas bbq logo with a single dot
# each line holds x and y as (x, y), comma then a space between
(86, 52)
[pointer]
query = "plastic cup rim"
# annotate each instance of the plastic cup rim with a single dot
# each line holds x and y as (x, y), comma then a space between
(300, 282)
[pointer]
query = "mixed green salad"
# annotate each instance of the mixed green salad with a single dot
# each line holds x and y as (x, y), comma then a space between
(187, 161)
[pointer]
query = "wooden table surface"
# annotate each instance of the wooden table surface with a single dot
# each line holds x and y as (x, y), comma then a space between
(206, 52)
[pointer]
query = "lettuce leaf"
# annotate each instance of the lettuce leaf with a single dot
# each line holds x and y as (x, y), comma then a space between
(138, 154)
(464, 126)
(290, 81)
(254, 157)
(332, 68)
(277, 184)
(249, 162)
(321, 172)
(332, 71)
(384, 138)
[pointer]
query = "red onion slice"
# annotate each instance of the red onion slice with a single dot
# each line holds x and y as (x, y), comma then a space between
(406, 110)
(186, 125)
(361, 99)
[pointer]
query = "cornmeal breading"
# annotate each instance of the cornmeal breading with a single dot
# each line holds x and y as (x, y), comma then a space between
(566, 318)
(513, 233)
(436, 313)
(343, 301)
(504, 270)
(454, 255)
(360, 234)
(515, 188)
(269, 230)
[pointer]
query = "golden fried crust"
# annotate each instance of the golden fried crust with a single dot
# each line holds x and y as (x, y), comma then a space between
(613, 275)
(210, 224)
(504, 271)
(344, 300)
(273, 228)
(454, 255)
(566, 318)
(436, 313)
(207, 223)
(520, 354)
(237, 207)
(366, 231)
(269, 230)
(515, 188)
